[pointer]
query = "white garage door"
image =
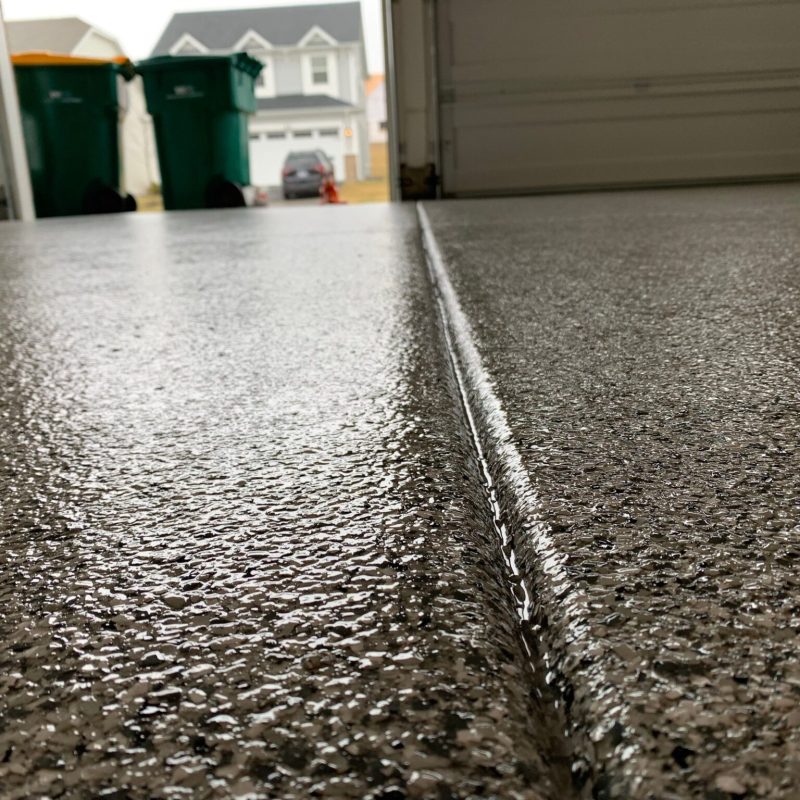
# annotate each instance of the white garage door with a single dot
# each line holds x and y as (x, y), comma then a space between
(538, 94)
(268, 151)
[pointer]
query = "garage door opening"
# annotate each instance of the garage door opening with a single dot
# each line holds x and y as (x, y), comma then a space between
(320, 97)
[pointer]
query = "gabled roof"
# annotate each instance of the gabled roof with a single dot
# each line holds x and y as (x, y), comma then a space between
(54, 35)
(281, 25)
(291, 101)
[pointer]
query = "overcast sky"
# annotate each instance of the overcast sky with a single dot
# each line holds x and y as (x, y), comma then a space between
(137, 24)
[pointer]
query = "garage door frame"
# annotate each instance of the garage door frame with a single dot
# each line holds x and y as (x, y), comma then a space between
(734, 101)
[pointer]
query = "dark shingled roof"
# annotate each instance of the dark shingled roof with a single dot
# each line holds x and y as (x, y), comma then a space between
(287, 101)
(282, 25)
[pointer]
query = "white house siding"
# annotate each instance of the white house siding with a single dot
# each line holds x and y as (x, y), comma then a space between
(345, 76)
(288, 76)
(95, 45)
(362, 144)
(376, 114)
(139, 156)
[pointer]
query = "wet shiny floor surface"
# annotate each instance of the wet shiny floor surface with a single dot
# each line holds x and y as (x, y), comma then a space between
(638, 385)
(246, 551)
(248, 548)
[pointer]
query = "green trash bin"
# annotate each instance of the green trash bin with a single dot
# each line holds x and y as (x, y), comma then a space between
(71, 111)
(199, 106)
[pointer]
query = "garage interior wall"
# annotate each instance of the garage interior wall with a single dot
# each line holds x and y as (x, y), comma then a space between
(533, 95)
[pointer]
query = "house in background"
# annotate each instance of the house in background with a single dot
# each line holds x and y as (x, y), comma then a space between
(376, 109)
(378, 127)
(310, 94)
(74, 37)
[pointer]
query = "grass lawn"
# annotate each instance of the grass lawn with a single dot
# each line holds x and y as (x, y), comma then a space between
(372, 191)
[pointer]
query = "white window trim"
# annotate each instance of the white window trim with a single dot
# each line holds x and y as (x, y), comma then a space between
(330, 88)
(187, 38)
(313, 31)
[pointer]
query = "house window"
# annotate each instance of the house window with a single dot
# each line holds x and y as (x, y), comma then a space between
(319, 70)
(254, 137)
(333, 132)
(302, 134)
(276, 135)
(320, 74)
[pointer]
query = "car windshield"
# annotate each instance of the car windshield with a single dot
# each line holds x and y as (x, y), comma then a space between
(302, 160)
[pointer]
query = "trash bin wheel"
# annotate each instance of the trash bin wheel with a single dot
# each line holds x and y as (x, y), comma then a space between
(130, 203)
(102, 199)
(222, 193)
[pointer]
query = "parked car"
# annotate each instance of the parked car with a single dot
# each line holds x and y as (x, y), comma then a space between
(304, 172)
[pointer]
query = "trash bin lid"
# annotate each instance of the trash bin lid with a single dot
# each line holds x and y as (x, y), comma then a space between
(241, 61)
(43, 58)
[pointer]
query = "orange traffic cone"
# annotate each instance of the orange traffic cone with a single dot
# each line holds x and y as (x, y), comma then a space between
(329, 193)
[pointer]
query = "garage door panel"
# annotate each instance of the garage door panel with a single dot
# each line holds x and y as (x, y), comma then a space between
(591, 106)
(537, 94)
(556, 42)
(619, 151)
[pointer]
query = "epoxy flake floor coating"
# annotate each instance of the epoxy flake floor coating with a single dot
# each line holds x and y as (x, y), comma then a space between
(245, 548)
(644, 348)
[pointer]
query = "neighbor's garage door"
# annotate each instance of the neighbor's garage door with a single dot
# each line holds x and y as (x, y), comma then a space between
(546, 93)
(268, 151)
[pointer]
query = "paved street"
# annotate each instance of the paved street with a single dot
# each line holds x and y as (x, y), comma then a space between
(282, 518)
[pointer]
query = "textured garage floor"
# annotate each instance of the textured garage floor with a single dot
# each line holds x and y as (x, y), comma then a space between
(247, 544)
(634, 362)
(245, 549)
